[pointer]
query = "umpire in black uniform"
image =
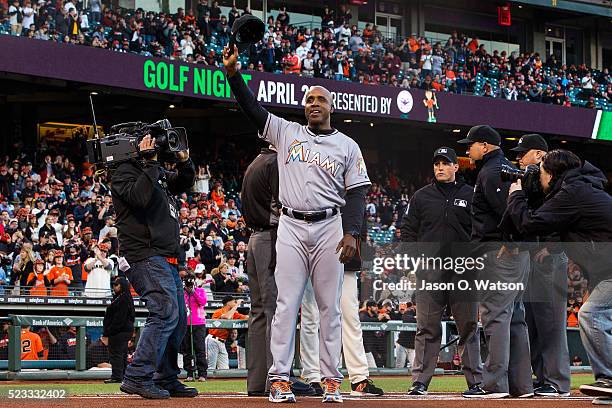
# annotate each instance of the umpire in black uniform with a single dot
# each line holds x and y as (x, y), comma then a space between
(261, 210)
(506, 370)
(546, 295)
(440, 213)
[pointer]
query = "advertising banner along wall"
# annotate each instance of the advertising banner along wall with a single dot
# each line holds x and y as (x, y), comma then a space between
(102, 67)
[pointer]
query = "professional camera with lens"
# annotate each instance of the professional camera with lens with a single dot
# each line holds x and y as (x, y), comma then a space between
(122, 144)
(189, 281)
(530, 178)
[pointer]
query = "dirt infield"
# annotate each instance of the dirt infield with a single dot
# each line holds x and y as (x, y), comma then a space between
(388, 401)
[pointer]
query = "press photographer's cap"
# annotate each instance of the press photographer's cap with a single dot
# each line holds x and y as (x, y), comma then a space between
(482, 133)
(532, 141)
(446, 153)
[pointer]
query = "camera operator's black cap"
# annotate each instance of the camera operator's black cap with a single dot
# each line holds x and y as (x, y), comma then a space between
(482, 133)
(532, 141)
(227, 299)
(447, 153)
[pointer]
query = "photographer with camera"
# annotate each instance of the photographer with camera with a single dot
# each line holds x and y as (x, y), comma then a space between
(546, 294)
(577, 207)
(194, 342)
(147, 221)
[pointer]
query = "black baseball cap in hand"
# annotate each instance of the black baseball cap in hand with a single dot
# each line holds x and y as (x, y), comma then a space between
(532, 141)
(482, 133)
(446, 153)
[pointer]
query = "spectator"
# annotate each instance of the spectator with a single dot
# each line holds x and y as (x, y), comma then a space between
(215, 341)
(95, 7)
(15, 13)
(370, 314)
(38, 283)
(60, 276)
(224, 281)
(210, 254)
(99, 269)
(118, 328)
(236, 349)
(23, 267)
(194, 342)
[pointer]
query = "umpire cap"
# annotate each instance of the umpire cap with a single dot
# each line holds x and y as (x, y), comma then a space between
(446, 153)
(482, 133)
(532, 141)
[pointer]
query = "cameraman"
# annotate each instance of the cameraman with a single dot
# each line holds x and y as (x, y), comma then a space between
(194, 343)
(545, 314)
(578, 207)
(147, 220)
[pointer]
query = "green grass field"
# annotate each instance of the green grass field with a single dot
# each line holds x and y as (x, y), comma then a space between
(389, 384)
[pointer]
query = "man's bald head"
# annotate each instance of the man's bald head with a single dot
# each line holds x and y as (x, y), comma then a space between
(318, 89)
(318, 108)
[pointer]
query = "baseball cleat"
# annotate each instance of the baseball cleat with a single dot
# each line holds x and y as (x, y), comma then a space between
(418, 389)
(602, 401)
(477, 392)
(280, 391)
(316, 386)
(331, 390)
(550, 392)
(365, 388)
(601, 388)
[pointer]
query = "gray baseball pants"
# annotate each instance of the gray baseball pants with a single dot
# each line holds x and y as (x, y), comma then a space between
(307, 250)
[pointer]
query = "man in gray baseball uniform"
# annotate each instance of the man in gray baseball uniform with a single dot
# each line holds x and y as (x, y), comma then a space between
(320, 171)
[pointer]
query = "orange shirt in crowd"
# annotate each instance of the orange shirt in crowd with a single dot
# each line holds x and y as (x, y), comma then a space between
(413, 44)
(218, 197)
(59, 289)
(223, 333)
(31, 345)
(38, 287)
(572, 317)
(473, 45)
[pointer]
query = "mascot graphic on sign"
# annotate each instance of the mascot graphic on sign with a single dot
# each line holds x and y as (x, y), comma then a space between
(430, 102)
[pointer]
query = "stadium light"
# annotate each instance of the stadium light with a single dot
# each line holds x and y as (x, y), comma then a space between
(93, 93)
(171, 106)
(564, 141)
(371, 124)
(456, 130)
(512, 139)
(348, 120)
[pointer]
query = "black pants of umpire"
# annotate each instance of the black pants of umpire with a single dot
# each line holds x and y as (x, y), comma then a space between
(502, 314)
(545, 307)
(194, 348)
(261, 261)
(430, 306)
(117, 353)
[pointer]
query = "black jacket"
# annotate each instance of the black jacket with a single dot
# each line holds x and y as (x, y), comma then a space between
(208, 255)
(260, 204)
(490, 195)
(581, 211)
(146, 211)
(120, 314)
(406, 338)
(439, 213)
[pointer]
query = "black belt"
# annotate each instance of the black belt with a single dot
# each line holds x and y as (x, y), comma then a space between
(309, 216)
(262, 229)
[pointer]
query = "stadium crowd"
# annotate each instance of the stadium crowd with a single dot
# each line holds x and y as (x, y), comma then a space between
(336, 50)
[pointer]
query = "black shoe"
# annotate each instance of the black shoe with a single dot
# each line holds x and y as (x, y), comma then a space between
(317, 388)
(112, 381)
(145, 391)
(365, 388)
(180, 390)
(258, 393)
(418, 389)
(301, 389)
(549, 391)
(601, 388)
(476, 392)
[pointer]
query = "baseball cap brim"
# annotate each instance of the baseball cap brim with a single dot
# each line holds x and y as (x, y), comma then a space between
(520, 149)
(445, 157)
(465, 141)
